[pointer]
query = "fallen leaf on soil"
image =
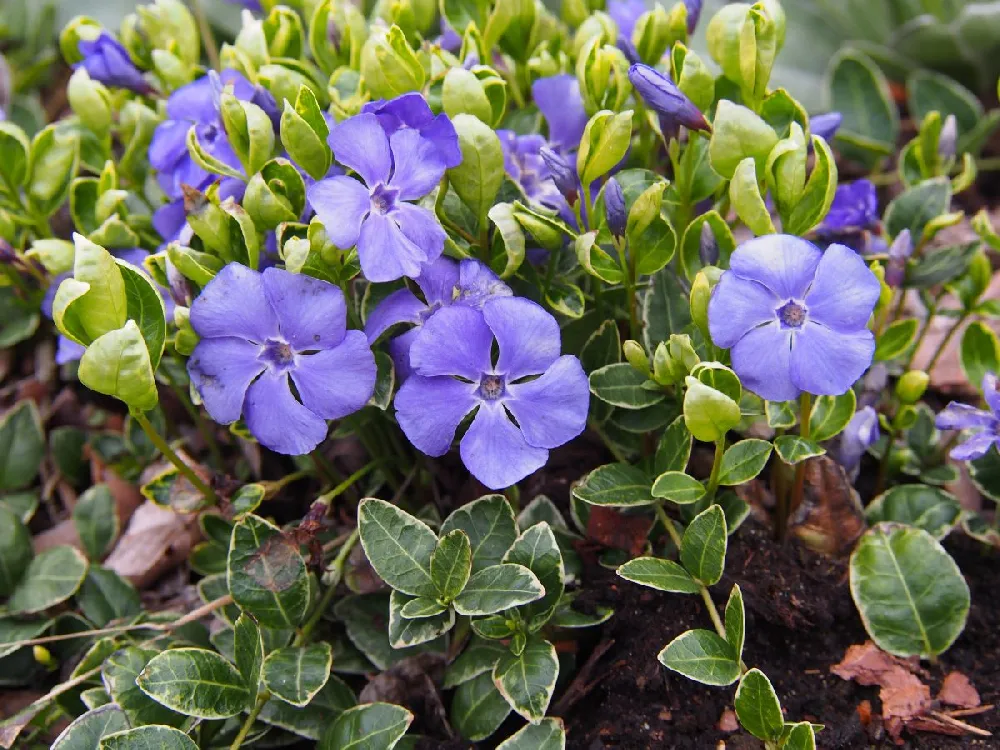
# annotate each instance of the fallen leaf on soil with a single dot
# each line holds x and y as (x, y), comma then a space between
(155, 541)
(614, 529)
(957, 690)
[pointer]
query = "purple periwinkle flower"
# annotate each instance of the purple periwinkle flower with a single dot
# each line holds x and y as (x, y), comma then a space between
(261, 333)
(559, 100)
(614, 207)
(445, 282)
(694, 13)
(394, 238)
(795, 318)
(860, 434)
(524, 163)
(662, 95)
(625, 14)
(899, 252)
(454, 375)
(563, 174)
(412, 111)
(855, 207)
(985, 423)
(107, 61)
(826, 125)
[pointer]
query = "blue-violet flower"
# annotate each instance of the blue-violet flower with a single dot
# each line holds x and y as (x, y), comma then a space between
(860, 434)
(826, 125)
(614, 207)
(984, 423)
(394, 238)
(454, 375)
(663, 96)
(795, 318)
(262, 332)
(107, 61)
(854, 207)
(412, 111)
(524, 164)
(559, 100)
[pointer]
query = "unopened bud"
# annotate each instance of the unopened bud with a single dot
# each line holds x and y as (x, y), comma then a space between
(911, 387)
(948, 141)
(708, 248)
(614, 208)
(562, 172)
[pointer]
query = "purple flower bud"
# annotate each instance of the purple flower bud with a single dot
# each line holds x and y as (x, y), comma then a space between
(708, 248)
(900, 250)
(614, 207)
(266, 101)
(948, 141)
(859, 435)
(826, 126)
(662, 95)
(107, 61)
(563, 174)
(855, 206)
(694, 14)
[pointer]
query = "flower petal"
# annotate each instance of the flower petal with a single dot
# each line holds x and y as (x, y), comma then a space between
(438, 279)
(477, 284)
(429, 411)
(421, 228)
(528, 336)
(221, 371)
(402, 306)
(844, 291)
(399, 350)
(341, 204)
(958, 416)
(233, 304)
(552, 409)
(277, 420)
(311, 312)
(827, 362)
(783, 263)
(68, 350)
(975, 447)
(417, 166)
(336, 382)
(738, 306)
(359, 143)
(762, 359)
(384, 251)
(559, 99)
(495, 451)
(453, 341)
(991, 392)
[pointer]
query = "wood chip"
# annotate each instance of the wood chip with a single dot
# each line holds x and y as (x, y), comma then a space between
(957, 690)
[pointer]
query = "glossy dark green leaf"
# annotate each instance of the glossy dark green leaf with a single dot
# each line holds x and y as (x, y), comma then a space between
(497, 588)
(249, 651)
(735, 621)
(917, 206)
(22, 446)
(979, 352)
(860, 92)
(623, 386)
(940, 266)
(490, 525)
(477, 708)
(119, 674)
(678, 487)
(451, 564)
(151, 737)
(296, 674)
(757, 706)
(528, 680)
(665, 309)
(15, 550)
(743, 461)
(548, 734)
(538, 551)
(477, 658)
(703, 546)
(896, 339)
(674, 448)
(51, 578)
(793, 449)
(85, 732)
(95, 516)
(830, 415)
(332, 700)
(616, 485)
(398, 546)
(928, 508)
(371, 726)
(105, 596)
(660, 574)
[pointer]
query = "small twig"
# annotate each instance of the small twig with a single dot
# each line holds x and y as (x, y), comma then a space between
(971, 711)
(961, 724)
(580, 685)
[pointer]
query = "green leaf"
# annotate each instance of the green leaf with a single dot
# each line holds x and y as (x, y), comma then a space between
(604, 143)
(980, 352)
(195, 682)
(398, 546)
(860, 92)
(665, 309)
(96, 519)
(830, 415)
(737, 134)
(13, 631)
(538, 551)
(267, 574)
(678, 487)
(616, 485)
(372, 726)
(911, 595)
(421, 607)
(51, 578)
(329, 703)
(92, 302)
(703, 656)
(659, 574)
(117, 364)
(249, 651)
(940, 266)
(817, 197)
(548, 734)
(916, 207)
(736, 621)
(151, 737)
(15, 550)
(780, 414)
(928, 508)
(674, 449)
(703, 546)
(451, 564)
(145, 306)
(708, 413)
(22, 446)
(744, 194)
(622, 385)
(477, 658)
(896, 339)
(757, 706)
(119, 673)
(743, 461)
(85, 732)
(478, 178)
(477, 708)
(801, 736)
(296, 674)
(497, 588)
(928, 92)
(528, 680)
(489, 523)
(793, 449)
(106, 596)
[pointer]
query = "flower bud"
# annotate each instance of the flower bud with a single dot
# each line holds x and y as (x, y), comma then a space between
(563, 174)
(663, 96)
(614, 208)
(708, 248)
(107, 61)
(693, 14)
(899, 252)
(168, 24)
(44, 657)
(911, 386)
(948, 140)
(653, 35)
(701, 293)
(636, 356)
(600, 26)
(90, 100)
(602, 72)
(860, 434)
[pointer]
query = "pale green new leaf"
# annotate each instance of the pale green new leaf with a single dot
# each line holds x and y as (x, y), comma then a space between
(117, 364)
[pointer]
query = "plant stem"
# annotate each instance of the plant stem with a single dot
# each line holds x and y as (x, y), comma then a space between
(945, 341)
(207, 37)
(713, 612)
(931, 312)
(334, 572)
(328, 497)
(262, 698)
(170, 455)
(805, 412)
(713, 479)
